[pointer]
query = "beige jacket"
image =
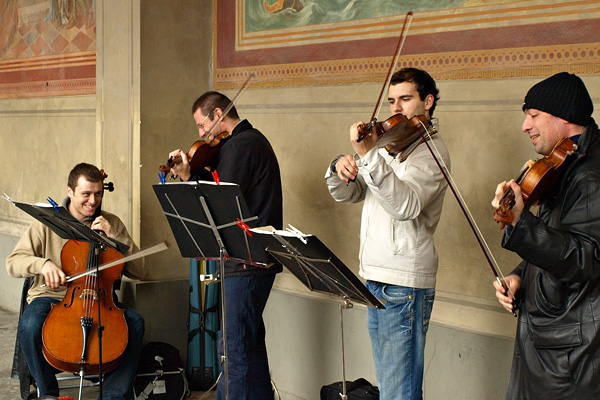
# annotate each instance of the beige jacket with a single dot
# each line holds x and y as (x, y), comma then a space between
(40, 244)
(401, 210)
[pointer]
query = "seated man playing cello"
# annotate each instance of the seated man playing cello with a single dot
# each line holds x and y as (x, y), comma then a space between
(38, 255)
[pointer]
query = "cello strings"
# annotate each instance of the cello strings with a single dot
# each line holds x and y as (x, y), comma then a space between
(87, 302)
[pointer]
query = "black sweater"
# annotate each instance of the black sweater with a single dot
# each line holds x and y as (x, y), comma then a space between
(248, 160)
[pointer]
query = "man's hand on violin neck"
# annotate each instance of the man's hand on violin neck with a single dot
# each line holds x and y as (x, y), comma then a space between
(517, 208)
(498, 195)
(180, 169)
(367, 142)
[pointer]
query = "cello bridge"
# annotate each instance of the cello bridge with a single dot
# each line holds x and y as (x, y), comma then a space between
(88, 293)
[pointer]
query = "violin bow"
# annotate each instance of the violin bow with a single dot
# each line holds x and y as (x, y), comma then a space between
(230, 105)
(134, 256)
(399, 45)
(465, 209)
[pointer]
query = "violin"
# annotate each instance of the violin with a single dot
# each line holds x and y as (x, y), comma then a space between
(70, 332)
(202, 154)
(536, 180)
(205, 154)
(397, 132)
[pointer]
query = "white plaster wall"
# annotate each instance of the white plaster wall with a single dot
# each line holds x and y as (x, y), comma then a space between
(304, 347)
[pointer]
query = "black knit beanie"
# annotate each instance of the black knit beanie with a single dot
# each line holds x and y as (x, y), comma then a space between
(563, 95)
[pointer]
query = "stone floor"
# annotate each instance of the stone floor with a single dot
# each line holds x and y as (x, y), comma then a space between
(9, 388)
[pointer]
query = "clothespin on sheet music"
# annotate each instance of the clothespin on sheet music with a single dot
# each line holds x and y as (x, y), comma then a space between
(53, 203)
(297, 233)
(216, 177)
(162, 177)
(243, 225)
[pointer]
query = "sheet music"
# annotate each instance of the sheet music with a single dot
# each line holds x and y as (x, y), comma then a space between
(309, 260)
(61, 222)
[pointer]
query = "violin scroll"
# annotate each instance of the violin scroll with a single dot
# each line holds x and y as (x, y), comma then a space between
(504, 215)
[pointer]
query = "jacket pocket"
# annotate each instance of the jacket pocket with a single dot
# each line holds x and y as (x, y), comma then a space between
(404, 235)
(554, 337)
(550, 295)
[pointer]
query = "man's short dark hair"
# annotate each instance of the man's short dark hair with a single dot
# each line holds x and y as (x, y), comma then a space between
(424, 82)
(209, 101)
(88, 171)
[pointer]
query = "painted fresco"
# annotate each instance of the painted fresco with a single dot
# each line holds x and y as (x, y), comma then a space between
(47, 47)
(285, 43)
(274, 14)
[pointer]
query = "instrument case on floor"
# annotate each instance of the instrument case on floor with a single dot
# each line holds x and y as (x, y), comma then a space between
(360, 389)
(204, 320)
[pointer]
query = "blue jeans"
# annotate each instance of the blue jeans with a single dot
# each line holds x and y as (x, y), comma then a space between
(398, 339)
(117, 384)
(245, 299)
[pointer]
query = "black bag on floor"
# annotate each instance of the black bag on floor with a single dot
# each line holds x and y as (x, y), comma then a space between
(360, 389)
(160, 375)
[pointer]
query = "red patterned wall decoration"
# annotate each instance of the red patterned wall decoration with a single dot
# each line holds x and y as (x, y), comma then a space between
(47, 48)
(470, 39)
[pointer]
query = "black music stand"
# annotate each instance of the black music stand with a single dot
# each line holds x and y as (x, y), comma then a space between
(210, 222)
(61, 222)
(319, 270)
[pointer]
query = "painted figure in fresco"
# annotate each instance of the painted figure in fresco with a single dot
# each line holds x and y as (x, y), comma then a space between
(281, 5)
(403, 197)
(246, 158)
(9, 19)
(557, 285)
(67, 12)
(37, 255)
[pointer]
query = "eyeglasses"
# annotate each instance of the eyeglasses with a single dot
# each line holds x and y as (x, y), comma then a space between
(201, 124)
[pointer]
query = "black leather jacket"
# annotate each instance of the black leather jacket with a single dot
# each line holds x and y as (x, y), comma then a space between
(557, 348)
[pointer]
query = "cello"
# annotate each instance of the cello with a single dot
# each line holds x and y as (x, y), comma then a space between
(86, 332)
(69, 338)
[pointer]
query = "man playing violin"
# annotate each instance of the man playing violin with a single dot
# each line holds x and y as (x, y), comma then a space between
(37, 255)
(557, 285)
(403, 196)
(247, 159)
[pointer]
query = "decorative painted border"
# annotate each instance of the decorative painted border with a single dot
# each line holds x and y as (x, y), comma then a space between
(474, 44)
(64, 75)
(48, 50)
(503, 63)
